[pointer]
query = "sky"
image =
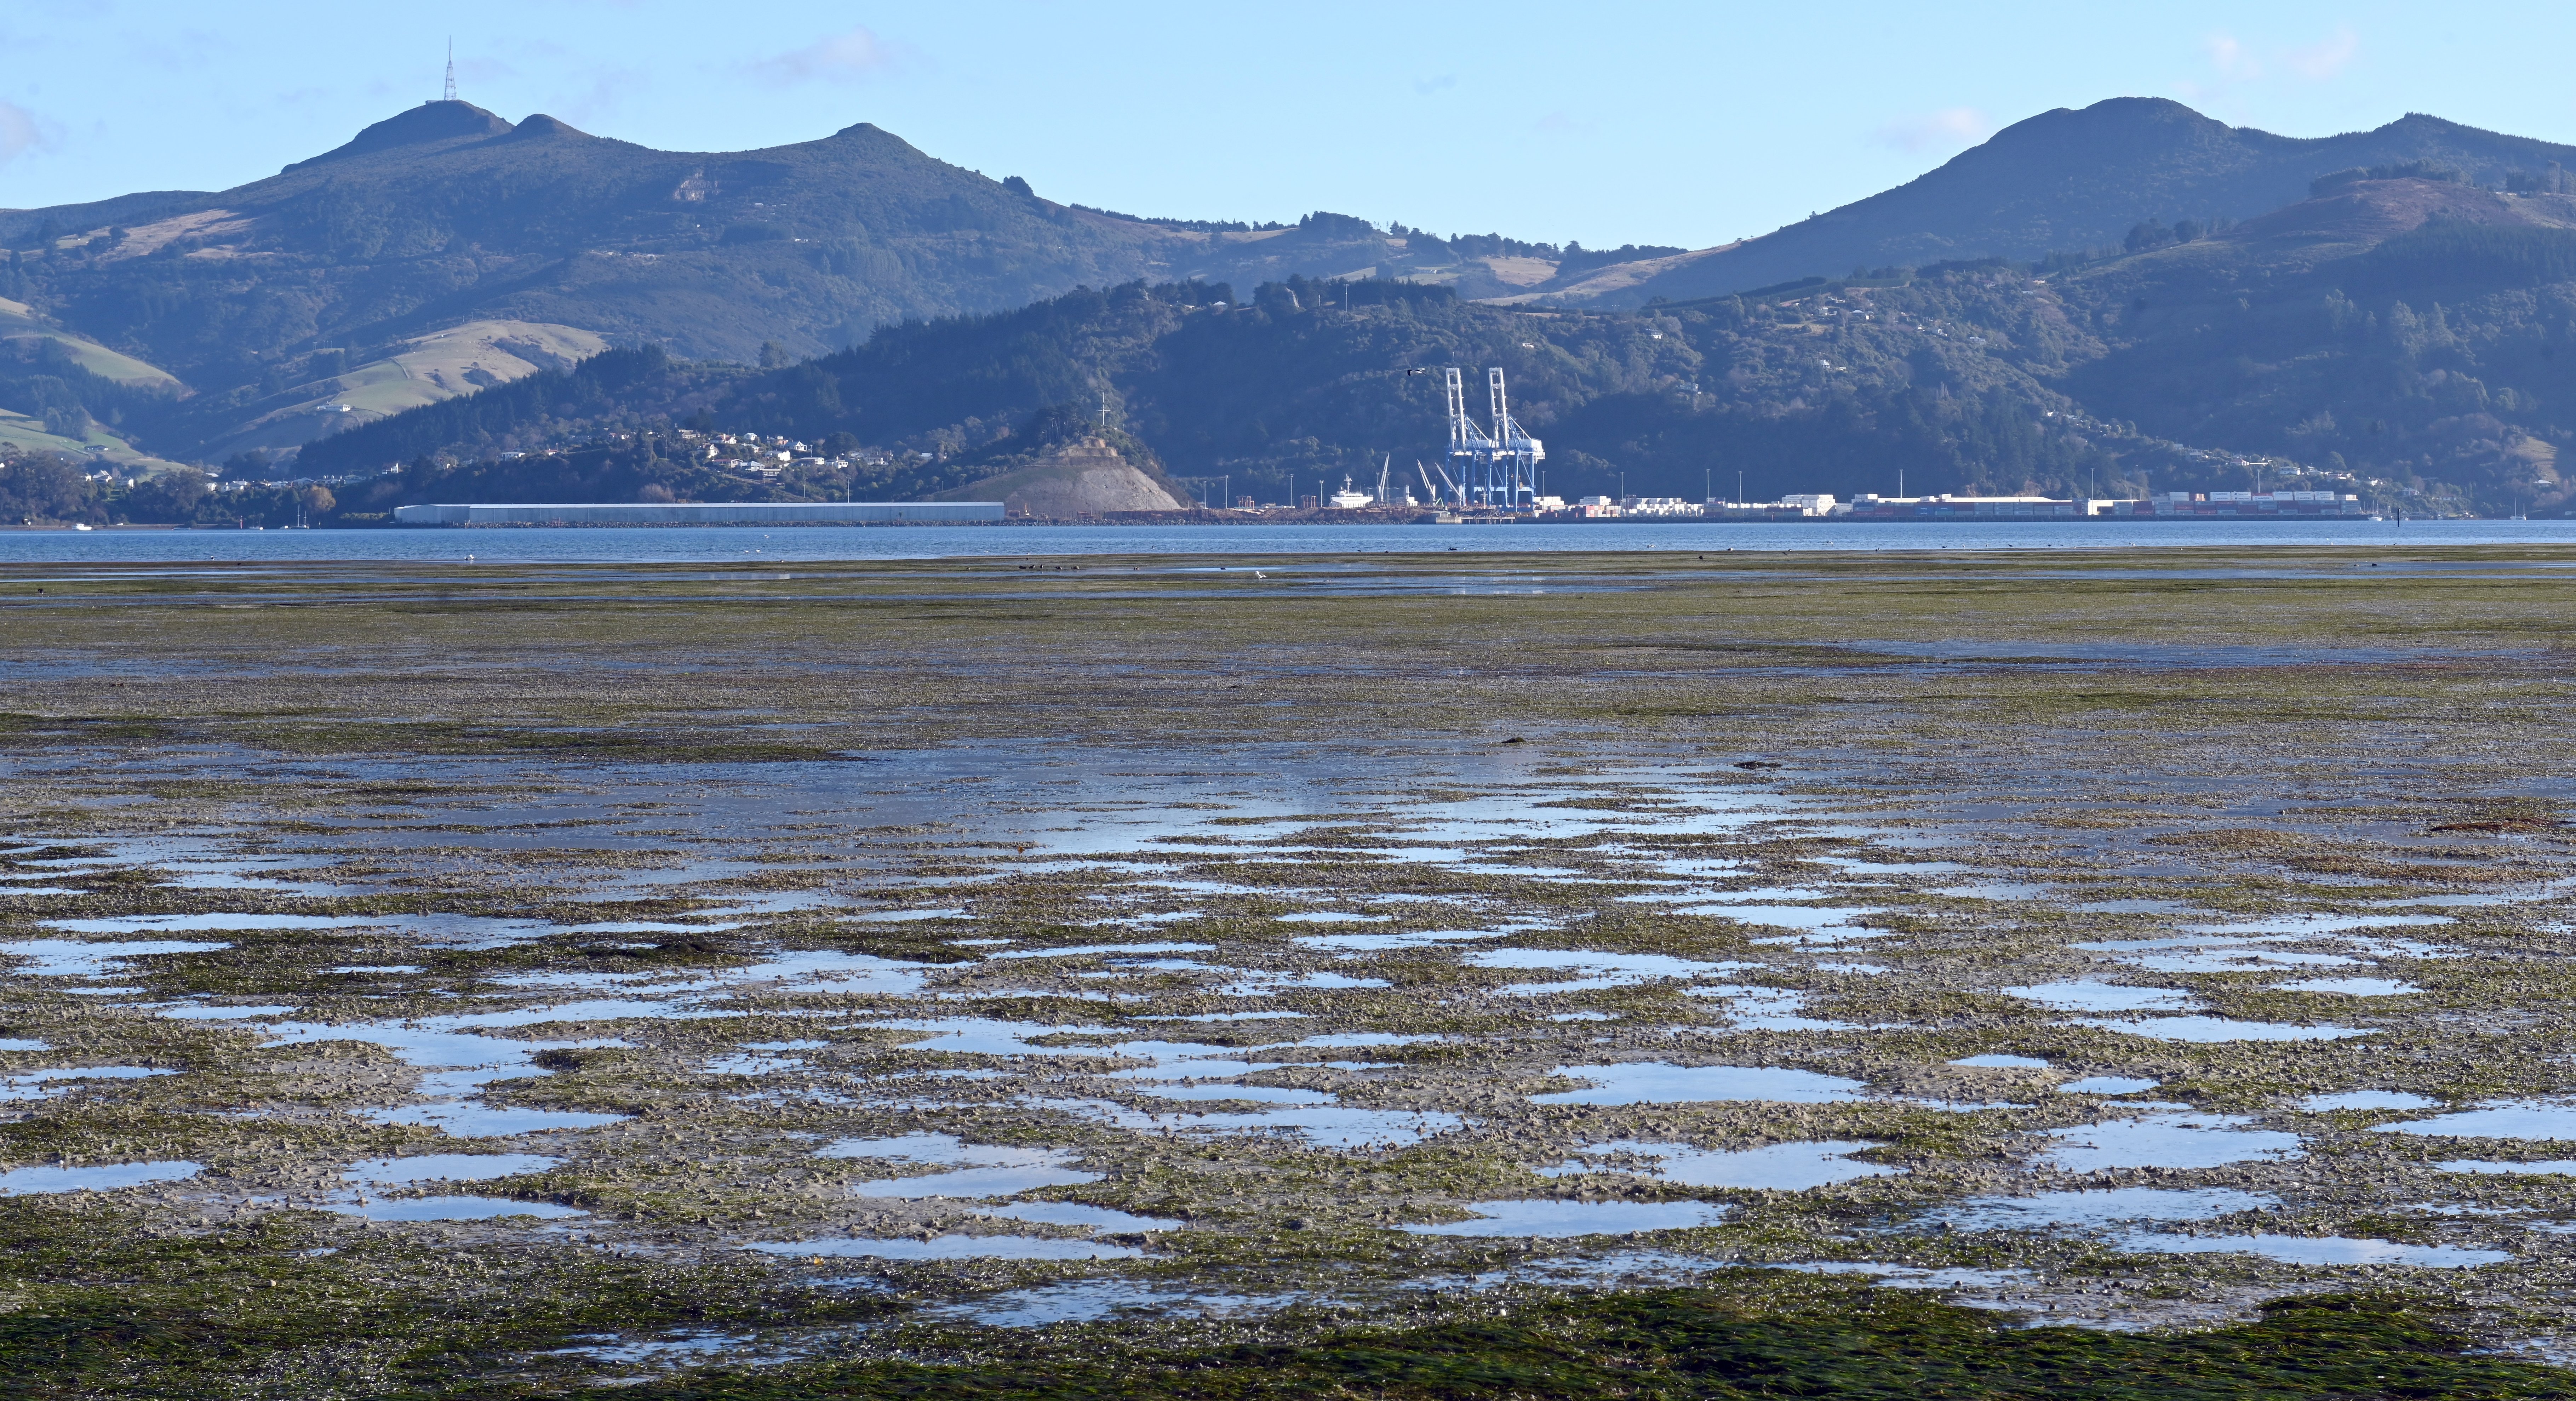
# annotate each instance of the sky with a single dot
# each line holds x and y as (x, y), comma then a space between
(1665, 123)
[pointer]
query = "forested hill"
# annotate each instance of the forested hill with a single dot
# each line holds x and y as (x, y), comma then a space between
(2410, 329)
(2406, 320)
(1310, 382)
(2076, 179)
(2402, 327)
(446, 248)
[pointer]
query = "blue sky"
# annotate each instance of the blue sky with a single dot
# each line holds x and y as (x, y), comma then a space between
(1605, 122)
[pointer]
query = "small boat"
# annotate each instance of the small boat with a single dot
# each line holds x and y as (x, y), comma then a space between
(79, 526)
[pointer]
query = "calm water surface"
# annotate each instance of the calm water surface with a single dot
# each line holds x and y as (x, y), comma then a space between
(704, 544)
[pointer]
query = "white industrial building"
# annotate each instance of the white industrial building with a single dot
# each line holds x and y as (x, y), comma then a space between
(1660, 506)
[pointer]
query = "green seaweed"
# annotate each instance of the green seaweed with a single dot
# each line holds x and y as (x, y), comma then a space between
(1703, 1344)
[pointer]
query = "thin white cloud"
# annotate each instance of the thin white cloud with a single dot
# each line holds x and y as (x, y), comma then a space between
(2237, 66)
(20, 132)
(182, 51)
(2234, 61)
(606, 96)
(1425, 87)
(2321, 61)
(850, 57)
(1949, 128)
(480, 72)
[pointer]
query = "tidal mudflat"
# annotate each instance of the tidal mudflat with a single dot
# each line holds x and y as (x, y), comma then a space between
(852, 978)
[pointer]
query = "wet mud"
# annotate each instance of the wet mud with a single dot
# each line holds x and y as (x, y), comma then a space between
(777, 970)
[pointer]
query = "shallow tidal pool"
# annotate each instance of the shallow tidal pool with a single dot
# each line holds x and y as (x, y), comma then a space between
(620, 971)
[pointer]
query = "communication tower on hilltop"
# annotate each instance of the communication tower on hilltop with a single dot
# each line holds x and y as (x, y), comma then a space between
(1497, 468)
(451, 69)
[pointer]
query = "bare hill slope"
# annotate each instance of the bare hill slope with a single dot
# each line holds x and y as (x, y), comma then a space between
(2074, 179)
(260, 297)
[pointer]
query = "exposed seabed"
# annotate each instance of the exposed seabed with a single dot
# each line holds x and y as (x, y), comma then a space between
(624, 971)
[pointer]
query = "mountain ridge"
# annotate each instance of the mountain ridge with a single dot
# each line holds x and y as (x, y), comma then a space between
(446, 215)
(2388, 336)
(429, 123)
(446, 248)
(2032, 189)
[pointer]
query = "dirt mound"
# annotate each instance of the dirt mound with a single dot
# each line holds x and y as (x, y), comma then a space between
(1088, 477)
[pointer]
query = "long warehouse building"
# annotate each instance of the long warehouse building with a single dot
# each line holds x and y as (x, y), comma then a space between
(711, 513)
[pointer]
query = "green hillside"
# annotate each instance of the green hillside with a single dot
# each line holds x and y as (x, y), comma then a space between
(18, 323)
(1307, 382)
(2076, 179)
(66, 394)
(2175, 305)
(424, 370)
(261, 297)
(87, 444)
(2402, 329)
(2391, 335)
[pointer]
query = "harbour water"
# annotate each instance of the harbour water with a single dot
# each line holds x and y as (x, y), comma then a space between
(691, 544)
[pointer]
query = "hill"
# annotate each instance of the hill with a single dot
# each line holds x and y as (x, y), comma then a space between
(2155, 297)
(2396, 332)
(270, 299)
(2407, 329)
(58, 378)
(1306, 382)
(1072, 476)
(2070, 180)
